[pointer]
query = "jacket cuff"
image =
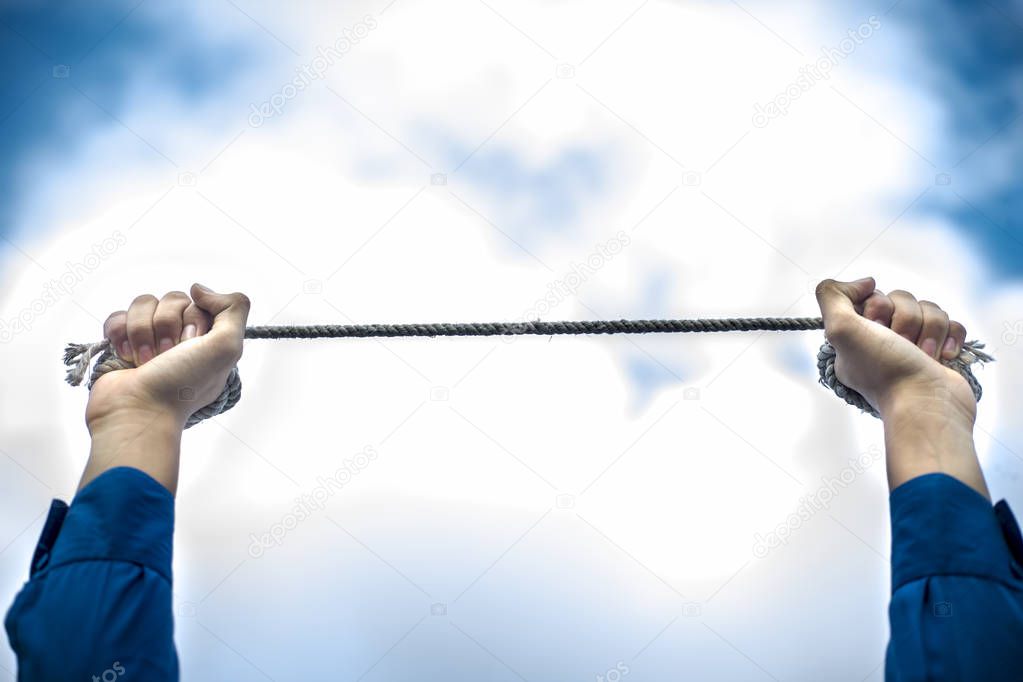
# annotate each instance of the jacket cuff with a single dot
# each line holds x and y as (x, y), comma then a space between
(123, 514)
(941, 526)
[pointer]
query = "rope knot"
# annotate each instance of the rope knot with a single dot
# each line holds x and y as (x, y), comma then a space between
(971, 353)
(78, 356)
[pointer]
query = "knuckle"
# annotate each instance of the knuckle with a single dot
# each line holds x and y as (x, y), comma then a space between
(933, 309)
(176, 296)
(912, 317)
(241, 299)
(165, 320)
(901, 293)
(143, 298)
(139, 335)
(907, 323)
(114, 325)
(878, 304)
(824, 286)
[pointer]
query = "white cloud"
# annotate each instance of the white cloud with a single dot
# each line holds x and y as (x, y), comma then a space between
(811, 195)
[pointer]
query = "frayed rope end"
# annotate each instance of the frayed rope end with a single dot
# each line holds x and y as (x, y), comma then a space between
(78, 356)
(972, 353)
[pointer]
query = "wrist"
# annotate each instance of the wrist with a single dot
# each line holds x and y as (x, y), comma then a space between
(142, 420)
(127, 410)
(927, 432)
(147, 440)
(937, 402)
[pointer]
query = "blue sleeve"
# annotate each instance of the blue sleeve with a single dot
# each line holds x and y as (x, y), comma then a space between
(956, 611)
(97, 604)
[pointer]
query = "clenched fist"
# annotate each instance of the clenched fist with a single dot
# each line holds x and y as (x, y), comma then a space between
(889, 346)
(183, 349)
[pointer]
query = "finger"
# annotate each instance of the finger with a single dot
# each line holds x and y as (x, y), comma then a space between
(933, 330)
(115, 329)
(838, 301)
(954, 342)
(140, 328)
(167, 320)
(879, 308)
(229, 313)
(196, 320)
(907, 318)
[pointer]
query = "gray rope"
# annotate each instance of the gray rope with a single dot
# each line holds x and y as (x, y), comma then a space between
(78, 356)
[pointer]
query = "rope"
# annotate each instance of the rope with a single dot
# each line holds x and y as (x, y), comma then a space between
(78, 357)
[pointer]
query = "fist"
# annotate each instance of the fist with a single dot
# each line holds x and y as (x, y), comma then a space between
(888, 347)
(182, 347)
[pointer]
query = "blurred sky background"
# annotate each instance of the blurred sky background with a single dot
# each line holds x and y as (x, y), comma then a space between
(537, 509)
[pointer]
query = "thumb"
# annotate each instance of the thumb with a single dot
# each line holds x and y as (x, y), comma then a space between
(839, 301)
(229, 311)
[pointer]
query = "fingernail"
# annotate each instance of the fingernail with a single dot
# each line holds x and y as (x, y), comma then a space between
(125, 350)
(188, 333)
(930, 346)
(165, 345)
(204, 287)
(145, 353)
(950, 345)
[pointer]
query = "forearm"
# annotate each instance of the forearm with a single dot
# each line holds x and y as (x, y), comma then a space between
(930, 434)
(146, 440)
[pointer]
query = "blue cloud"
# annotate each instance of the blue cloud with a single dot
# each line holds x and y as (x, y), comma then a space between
(977, 49)
(527, 200)
(59, 56)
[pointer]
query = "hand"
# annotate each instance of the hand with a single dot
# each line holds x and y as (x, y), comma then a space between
(888, 347)
(183, 349)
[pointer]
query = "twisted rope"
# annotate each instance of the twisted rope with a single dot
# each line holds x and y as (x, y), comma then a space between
(78, 356)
